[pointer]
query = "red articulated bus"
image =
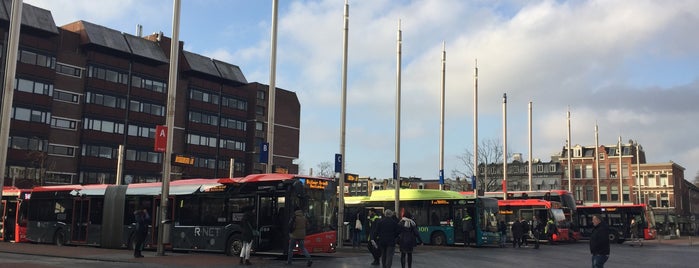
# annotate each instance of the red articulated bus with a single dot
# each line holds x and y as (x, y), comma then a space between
(13, 209)
(202, 214)
(511, 210)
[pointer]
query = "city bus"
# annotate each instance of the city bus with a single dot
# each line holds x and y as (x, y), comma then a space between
(516, 209)
(203, 214)
(437, 214)
(13, 209)
(618, 218)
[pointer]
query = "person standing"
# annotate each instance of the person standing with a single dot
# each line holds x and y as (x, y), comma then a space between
(551, 229)
(247, 224)
(525, 233)
(466, 227)
(636, 233)
(297, 235)
(356, 230)
(142, 218)
(516, 233)
(537, 230)
(502, 228)
(407, 239)
(599, 242)
(372, 220)
(386, 232)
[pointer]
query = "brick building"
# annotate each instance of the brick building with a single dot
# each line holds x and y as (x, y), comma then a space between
(82, 90)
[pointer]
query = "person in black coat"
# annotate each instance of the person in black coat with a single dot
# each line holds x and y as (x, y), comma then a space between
(599, 242)
(408, 238)
(525, 233)
(142, 218)
(516, 233)
(248, 225)
(386, 232)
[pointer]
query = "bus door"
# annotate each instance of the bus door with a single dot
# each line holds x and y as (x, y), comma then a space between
(529, 213)
(81, 220)
(459, 211)
(270, 223)
(154, 211)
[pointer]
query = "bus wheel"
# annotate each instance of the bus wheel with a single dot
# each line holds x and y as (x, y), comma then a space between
(59, 239)
(438, 239)
(234, 246)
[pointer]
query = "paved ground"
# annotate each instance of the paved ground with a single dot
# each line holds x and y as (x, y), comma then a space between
(658, 253)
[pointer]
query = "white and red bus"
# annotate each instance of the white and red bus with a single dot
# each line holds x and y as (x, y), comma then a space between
(13, 209)
(618, 218)
(203, 214)
(515, 209)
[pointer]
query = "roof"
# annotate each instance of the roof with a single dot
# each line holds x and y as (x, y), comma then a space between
(105, 37)
(145, 48)
(230, 71)
(34, 17)
(201, 64)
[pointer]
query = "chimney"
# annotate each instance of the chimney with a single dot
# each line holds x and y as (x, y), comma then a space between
(139, 30)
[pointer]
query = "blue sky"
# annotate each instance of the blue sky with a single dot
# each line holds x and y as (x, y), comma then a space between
(629, 66)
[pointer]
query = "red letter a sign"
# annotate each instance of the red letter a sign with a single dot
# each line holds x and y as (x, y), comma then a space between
(160, 138)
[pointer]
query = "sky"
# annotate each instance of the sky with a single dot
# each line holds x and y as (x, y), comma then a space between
(629, 67)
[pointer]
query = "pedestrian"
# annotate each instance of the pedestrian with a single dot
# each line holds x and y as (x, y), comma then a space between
(516, 233)
(551, 230)
(599, 242)
(408, 238)
(247, 224)
(636, 231)
(142, 218)
(467, 227)
(386, 232)
(372, 220)
(537, 229)
(525, 233)
(502, 228)
(297, 235)
(356, 230)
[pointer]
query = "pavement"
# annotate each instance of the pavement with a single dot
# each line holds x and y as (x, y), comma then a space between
(202, 259)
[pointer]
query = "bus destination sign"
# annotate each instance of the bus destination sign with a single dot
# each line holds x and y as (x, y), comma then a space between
(316, 184)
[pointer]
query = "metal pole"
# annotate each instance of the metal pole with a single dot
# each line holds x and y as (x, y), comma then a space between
(597, 162)
(231, 169)
(475, 130)
(530, 146)
(570, 164)
(170, 122)
(9, 85)
(638, 174)
(398, 65)
(441, 119)
(120, 166)
(272, 89)
(504, 146)
(341, 208)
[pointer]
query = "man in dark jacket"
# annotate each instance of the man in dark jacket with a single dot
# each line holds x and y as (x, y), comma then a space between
(142, 218)
(516, 233)
(386, 232)
(599, 242)
(373, 220)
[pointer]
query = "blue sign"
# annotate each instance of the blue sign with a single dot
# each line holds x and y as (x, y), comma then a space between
(441, 177)
(473, 182)
(264, 152)
(395, 171)
(338, 163)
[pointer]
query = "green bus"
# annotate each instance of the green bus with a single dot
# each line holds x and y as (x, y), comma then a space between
(438, 214)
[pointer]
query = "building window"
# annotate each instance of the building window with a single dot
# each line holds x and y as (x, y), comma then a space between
(201, 140)
(600, 156)
(204, 96)
(59, 177)
(260, 127)
(626, 193)
(612, 170)
(588, 171)
(539, 168)
(139, 131)
(148, 108)
(260, 110)
(552, 168)
(664, 200)
(24, 114)
(577, 152)
(108, 75)
(69, 70)
(105, 100)
(603, 192)
(577, 172)
(579, 192)
(29, 144)
(99, 151)
(34, 87)
(144, 156)
(34, 58)
(65, 96)
(149, 84)
(103, 126)
(97, 178)
(589, 193)
(651, 180)
(615, 193)
(234, 124)
(652, 200)
(235, 103)
(61, 150)
(261, 94)
(663, 180)
(603, 171)
(64, 123)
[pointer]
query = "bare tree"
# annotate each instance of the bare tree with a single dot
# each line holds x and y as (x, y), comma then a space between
(490, 152)
(326, 169)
